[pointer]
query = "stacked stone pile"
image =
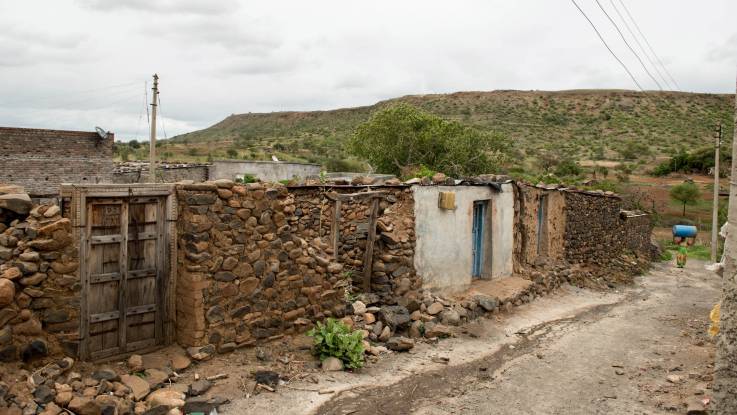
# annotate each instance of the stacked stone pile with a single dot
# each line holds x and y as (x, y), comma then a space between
(244, 274)
(39, 284)
(142, 386)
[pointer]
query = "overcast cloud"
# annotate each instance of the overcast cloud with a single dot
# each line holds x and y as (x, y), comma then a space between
(75, 64)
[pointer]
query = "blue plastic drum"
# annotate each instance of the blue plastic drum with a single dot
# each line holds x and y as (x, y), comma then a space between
(684, 231)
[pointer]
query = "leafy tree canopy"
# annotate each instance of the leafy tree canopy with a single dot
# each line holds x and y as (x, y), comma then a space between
(687, 193)
(402, 136)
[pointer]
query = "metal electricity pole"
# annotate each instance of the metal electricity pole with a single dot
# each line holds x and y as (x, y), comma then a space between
(715, 207)
(725, 368)
(152, 143)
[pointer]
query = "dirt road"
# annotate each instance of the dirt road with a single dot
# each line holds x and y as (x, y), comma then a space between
(641, 350)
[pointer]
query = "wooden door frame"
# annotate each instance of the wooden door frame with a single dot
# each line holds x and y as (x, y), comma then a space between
(77, 196)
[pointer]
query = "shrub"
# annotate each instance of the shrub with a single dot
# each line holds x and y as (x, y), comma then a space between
(335, 339)
(247, 178)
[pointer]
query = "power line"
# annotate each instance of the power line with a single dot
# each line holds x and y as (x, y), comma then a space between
(649, 45)
(163, 127)
(607, 46)
(67, 94)
(639, 45)
(143, 108)
(628, 45)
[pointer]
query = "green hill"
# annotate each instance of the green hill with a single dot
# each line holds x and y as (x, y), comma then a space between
(580, 124)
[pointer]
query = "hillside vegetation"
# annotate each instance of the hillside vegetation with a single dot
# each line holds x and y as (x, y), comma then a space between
(583, 125)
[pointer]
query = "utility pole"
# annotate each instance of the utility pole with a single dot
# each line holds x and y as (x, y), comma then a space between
(725, 368)
(715, 207)
(152, 143)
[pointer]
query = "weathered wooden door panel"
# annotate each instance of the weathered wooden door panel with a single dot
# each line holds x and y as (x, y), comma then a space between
(104, 270)
(143, 270)
(125, 268)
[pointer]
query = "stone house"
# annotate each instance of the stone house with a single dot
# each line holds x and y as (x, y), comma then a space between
(119, 269)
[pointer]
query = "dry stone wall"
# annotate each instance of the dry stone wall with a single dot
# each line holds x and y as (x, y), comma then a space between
(595, 231)
(244, 274)
(39, 285)
(393, 275)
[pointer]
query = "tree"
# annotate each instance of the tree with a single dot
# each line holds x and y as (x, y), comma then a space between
(687, 193)
(402, 136)
(232, 153)
(134, 144)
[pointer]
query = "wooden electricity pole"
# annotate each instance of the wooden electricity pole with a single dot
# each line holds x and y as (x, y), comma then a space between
(152, 143)
(715, 207)
(725, 369)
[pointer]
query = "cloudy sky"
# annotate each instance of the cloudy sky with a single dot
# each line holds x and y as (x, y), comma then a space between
(75, 64)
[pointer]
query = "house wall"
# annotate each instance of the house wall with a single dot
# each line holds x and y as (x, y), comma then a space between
(552, 240)
(164, 174)
(244, 274)
(41, 160)
(39, 285)
(443, 254)
(393, 272)
(267, 171)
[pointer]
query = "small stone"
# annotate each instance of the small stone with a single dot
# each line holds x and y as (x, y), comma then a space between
(332, 364)
(437, 330)
(385, 334)
(139, 387)
(43, 394)
(674, 378)
(105, 374)
(202, 352)
(400, 344)
(450, 317)
(434, 309)
(83, 405)
(199, 387)
(415, 330)
(180, 362)
(135, 363)
(155, 377)
(52, 211)
(7, 292)
(369, 318)
(63, 398)
(359, 307)
(166, 397)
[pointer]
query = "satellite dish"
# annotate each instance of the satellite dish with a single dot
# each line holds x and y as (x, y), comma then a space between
(101, 132)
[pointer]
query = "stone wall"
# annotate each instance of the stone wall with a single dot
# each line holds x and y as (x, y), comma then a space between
(41, 160)
(393, 273)
(638, 227)
(244, 275)
(138, 173)
(268, 171)
(531, 239)
(596, 232)
(39, 286)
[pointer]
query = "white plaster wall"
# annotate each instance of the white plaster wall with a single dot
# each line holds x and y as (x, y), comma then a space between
(267, 171)
(443, 252)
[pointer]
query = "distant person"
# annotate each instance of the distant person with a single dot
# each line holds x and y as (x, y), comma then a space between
(683, 244)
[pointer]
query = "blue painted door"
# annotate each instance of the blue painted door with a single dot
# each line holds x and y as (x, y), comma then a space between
(479, 218)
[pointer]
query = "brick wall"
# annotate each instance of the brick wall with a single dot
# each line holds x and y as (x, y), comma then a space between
(40, 160)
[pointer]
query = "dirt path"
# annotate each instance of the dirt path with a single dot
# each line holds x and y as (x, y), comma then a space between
(576, 352)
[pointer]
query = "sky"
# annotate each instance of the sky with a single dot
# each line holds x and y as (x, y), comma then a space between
(77, 64)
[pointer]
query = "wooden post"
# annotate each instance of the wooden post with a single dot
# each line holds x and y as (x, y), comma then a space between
(368, 259)
(336, 228)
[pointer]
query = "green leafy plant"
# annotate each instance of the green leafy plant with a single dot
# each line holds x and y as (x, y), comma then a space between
(335, 339)
(247, 178)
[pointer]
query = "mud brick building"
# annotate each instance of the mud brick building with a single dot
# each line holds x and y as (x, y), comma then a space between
(41, 160)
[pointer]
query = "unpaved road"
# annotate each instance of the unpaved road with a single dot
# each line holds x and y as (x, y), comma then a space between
(574, 352)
